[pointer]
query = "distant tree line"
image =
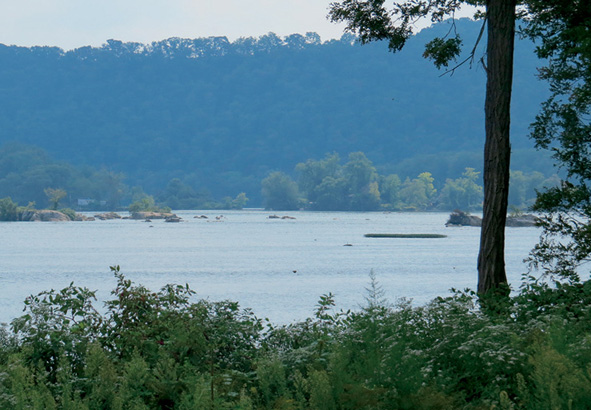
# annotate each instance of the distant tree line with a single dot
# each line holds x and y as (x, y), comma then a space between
(30, 177)
(329, 185)
(28, 174)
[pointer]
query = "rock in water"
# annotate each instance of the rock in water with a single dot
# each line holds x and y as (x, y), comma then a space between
(461, 218)
(44, 216)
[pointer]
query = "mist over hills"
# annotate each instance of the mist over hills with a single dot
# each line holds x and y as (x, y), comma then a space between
(221, 115)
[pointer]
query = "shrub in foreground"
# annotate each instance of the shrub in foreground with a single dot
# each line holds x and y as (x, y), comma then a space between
(166, 350)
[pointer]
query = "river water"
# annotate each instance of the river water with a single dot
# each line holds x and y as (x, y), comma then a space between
(277, 267)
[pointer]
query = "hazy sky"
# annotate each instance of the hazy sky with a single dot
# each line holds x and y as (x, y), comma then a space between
(75, 23)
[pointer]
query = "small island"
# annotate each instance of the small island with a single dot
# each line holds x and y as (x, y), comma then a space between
(11, 211)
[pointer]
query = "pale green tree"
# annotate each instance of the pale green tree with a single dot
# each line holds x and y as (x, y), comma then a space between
(8, 210)
(280, 192)
(522, 190)
(418, 193)
(361, 177)
(240, 201)
(332, 194)
(462, 193)
(144, 204)
(54, 196)
(390, 191)
(312, 173)
(359, 172)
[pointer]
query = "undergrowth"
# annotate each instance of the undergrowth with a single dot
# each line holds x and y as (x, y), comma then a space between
(164, 350)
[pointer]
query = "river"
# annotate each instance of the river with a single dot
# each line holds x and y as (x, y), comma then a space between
(277, 267)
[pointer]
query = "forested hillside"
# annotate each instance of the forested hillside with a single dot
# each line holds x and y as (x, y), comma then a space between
(221, 115)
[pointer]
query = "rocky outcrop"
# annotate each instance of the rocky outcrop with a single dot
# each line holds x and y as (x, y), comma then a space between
(108, 215)
(43, 216)
(152, 215)
(461, 218)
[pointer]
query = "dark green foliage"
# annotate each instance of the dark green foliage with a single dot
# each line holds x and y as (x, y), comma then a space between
(163, 350)
(562, 32)
(442, 51)
(373, 21)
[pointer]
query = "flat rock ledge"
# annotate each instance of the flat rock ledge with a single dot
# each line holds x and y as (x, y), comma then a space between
(461, 218)
(152, 215)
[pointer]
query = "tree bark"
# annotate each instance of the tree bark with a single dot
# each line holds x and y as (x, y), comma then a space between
(497, 147)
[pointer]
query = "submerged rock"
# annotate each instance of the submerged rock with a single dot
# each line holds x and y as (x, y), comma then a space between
(108, 215)
(83, 218)
(152, 215)
(173, 219)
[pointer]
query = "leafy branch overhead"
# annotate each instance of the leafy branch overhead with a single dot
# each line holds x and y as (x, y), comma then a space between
(441, 51)
(372, 21)
(562, 30)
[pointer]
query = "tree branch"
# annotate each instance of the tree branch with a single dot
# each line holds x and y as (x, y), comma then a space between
(472, 53)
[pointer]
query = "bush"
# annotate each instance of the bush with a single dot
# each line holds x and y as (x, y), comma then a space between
(147, 204)
(164, 350)
(8, 210)
(70, 213)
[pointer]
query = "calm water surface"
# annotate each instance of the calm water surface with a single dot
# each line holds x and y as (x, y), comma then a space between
(249, 258)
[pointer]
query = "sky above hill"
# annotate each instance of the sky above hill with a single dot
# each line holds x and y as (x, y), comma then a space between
(76, 23)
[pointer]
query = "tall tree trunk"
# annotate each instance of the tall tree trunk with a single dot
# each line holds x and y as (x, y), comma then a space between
(497, 148)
